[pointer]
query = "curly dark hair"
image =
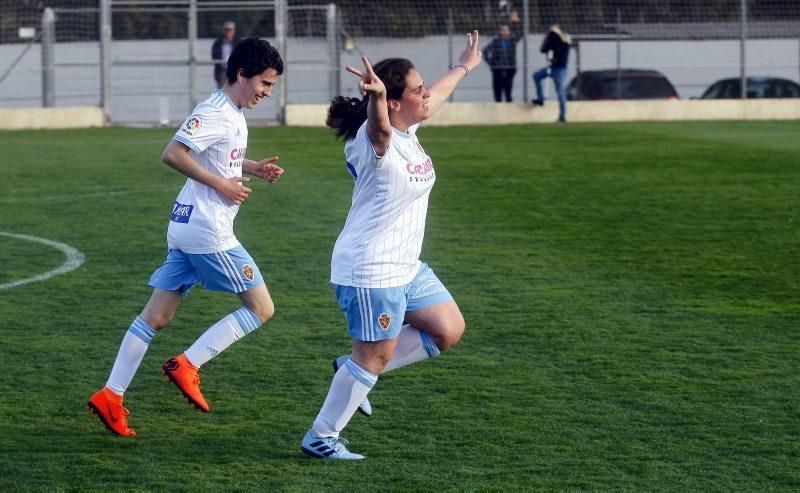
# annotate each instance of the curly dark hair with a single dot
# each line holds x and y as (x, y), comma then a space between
(254, 55)
(345, 115)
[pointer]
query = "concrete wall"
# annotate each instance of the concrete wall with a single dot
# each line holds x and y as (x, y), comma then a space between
(584, 111)
(313, 115)
(36, 118)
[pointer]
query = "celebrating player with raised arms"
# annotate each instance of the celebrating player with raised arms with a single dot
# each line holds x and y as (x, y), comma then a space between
(209, 148)
(398, 311)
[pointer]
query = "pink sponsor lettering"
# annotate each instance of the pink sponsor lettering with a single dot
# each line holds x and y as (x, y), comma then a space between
(420, 169)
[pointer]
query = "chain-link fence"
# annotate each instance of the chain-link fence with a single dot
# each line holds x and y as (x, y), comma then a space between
(156, 62)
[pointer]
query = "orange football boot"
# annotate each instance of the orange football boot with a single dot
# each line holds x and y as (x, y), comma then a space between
(187, 378)
(107, 406)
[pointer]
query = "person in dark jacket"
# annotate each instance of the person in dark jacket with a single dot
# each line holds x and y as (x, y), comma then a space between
(221, 50)
(556, 45)
(501, 55)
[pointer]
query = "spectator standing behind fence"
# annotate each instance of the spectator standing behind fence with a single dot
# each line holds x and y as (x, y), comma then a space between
(556, 45)
(501, 55)
(221, 50)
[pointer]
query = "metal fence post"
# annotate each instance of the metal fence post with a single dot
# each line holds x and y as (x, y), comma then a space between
(105, 57)
(48, 58)
(280, 40)
(619, 54)
(192, 54)
(334, 51)
(526, 13)
(450, 29)
(742, 54)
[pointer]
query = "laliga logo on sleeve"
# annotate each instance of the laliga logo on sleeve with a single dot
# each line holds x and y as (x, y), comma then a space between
(193, 123)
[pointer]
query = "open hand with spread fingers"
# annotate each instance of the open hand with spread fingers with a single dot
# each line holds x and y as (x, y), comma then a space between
(369, 83)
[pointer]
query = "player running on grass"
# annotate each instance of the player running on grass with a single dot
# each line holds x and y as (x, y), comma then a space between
(209, 148)
(398, 311)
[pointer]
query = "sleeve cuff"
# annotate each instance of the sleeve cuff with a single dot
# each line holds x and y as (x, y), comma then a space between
(188, 143)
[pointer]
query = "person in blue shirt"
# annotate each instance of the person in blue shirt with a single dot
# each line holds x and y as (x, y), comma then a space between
(501, 55)
(556, 46)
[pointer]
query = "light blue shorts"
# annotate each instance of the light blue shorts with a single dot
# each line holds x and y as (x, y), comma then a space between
(233, 271)
(375, 314)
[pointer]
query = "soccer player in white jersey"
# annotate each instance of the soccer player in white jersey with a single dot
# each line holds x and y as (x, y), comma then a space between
(209, 148)
(398, 311)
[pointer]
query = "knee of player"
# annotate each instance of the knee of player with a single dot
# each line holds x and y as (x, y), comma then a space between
(264, 311)
(377, 362)
(449, 337)
(382, 360)
(371, 356)
(157, 321)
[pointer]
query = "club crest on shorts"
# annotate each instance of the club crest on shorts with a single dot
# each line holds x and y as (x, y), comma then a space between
(247, 270)
(384, 320)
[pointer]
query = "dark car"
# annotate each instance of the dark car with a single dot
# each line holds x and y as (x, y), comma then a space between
(593, 85)
(757, 87)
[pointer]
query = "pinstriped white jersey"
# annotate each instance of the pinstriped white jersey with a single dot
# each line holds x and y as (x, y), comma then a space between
(381, 241)
(202, 219)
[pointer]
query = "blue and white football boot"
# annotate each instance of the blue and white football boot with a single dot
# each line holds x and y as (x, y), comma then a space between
(365, 407)
(327, 448)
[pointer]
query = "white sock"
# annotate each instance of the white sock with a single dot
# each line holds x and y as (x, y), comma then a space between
(349, 387)
(413, 345)
(221, 335)
(129, 357)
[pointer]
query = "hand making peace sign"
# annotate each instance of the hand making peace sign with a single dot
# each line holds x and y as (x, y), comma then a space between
(471, 57)
(369, 83)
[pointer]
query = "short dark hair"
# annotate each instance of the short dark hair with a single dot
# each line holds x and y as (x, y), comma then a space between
(253, 55)
(345, 115)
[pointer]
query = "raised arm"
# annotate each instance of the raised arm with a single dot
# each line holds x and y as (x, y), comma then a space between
(516, 26)
(561, 34)
(444, 87)
(545, 46)
(379, 129)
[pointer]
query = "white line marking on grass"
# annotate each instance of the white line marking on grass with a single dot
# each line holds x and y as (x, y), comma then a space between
(74, 260)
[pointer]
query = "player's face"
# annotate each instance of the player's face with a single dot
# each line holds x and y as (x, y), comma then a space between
(254, 89)
(415, 99)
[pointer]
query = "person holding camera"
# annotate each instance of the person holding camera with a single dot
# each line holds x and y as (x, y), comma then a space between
(556, 45)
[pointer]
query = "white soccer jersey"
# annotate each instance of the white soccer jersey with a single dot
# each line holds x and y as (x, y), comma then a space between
(381, 241)
(202, 219)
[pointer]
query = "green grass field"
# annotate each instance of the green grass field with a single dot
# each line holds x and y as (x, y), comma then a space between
(632, 295)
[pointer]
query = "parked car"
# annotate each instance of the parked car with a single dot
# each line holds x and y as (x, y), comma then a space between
(634, 84)
(757, 87)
